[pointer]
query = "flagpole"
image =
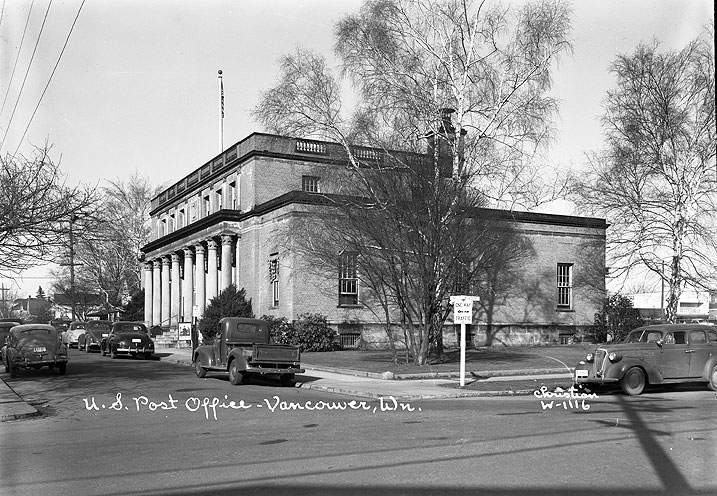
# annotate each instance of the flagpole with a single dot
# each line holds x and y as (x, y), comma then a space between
(221, 116)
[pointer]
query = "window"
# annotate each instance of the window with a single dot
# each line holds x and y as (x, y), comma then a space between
(163, 228)
(180, 220)
(233, 195)
(565, 286)
(698, 337)
(310, 184)
(193, 210)
(171, 223)
(348, 280)
(218, 200)
(207, 207)
(274, 280)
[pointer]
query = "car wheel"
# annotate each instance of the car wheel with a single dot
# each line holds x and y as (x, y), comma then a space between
(87, 347)
(13, 370)
(287, 379)
(113, 353)
(235, 375)
(62, 369)
(148, 356)
(633, 383)
(7, 366)
(713, 379)
(199, 370)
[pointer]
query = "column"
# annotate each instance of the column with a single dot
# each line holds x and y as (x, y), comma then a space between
(166, 293)
(175, 292)
(156, 293)
(188, 285)
(211, 269)
(226, 260)
(199, 279)
(236, 269)
(148, 293)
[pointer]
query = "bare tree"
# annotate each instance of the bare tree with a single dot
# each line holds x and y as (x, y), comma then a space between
(656, 182)
(107, 242)
(465, 82)
(36, 206)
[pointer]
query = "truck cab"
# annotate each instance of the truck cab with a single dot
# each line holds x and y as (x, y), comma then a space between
(242, 348)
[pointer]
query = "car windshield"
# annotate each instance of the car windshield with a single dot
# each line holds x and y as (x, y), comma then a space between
(643, 336)
(100, 326)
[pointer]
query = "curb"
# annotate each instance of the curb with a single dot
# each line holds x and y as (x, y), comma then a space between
(436, 375)
(449, 395)
(28, 411)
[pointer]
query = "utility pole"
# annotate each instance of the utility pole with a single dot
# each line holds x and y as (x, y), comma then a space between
(4, 291)
(71, 264)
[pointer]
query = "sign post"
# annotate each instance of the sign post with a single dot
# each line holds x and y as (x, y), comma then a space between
(463, 314)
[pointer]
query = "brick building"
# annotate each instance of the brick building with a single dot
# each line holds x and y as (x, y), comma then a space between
(221, 225)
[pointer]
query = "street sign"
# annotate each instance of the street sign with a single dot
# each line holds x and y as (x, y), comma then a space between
(463, 314)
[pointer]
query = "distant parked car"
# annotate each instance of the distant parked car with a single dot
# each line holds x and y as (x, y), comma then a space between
(34, 346)
(4, 332)
(127, 338)
(72, 334)
(656, 354)
(95, 331)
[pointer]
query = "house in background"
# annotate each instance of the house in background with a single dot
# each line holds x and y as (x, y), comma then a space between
(88, 306)
(693, 306)
(221, 224)
(28, 308)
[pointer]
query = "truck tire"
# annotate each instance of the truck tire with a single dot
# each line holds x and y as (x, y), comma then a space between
(199, 370)
(235, 375)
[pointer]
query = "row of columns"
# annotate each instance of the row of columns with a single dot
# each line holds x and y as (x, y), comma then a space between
(169, 297)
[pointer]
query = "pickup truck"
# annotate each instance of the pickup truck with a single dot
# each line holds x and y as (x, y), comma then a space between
(242, 348)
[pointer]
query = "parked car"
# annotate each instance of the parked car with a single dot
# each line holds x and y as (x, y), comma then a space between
(241, 348)
(34, 346)
(5, 327)
(127, 338)
(656, 354)
(95, 330)
(72, 334)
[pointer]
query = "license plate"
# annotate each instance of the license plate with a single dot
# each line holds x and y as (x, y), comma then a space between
(581, 374)
(39, 349)
(136, 340)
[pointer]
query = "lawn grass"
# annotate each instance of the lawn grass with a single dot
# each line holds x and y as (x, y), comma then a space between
(477, 360)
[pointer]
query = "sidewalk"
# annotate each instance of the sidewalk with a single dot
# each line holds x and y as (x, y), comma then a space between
(352, 383)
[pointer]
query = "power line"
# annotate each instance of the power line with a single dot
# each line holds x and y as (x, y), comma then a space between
(22, 40)
(39, 35)
(50, 78)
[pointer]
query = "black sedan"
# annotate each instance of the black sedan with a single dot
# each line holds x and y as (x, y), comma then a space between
(95, 331)
(128, 338)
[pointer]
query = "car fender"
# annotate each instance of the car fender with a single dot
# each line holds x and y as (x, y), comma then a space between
(236, 354)
(203, 356)
(621, 367)
(709, 364)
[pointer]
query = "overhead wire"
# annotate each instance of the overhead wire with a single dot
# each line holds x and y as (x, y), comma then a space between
(22, 40)
(24, 80)
(67, 40)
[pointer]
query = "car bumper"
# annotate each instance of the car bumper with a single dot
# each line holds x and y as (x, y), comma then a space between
(587, 376)
(133, 351)
(269, 370)
(26, 363)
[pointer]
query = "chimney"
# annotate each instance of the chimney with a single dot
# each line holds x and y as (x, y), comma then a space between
(445, 134)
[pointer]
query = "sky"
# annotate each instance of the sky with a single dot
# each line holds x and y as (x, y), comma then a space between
(136, 89)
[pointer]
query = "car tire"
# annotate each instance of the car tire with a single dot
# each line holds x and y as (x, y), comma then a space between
(87, 347)
(147, 356)
(62, 369)
(712, 384)
(7, 366)
(633, 382)
(113, 353)
(13, 370)
(235, 375)
(199, 370)
(287, 380)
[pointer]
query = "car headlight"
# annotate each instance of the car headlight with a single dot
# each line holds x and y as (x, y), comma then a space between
(614, 357)
(589, 357)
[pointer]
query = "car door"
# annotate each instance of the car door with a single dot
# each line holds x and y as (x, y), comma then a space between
(673, 361)
(699, 349)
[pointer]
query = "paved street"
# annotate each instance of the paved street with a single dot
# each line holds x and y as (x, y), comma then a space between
(151, 427)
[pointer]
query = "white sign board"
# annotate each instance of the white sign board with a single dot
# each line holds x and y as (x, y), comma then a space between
(463, 309)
